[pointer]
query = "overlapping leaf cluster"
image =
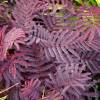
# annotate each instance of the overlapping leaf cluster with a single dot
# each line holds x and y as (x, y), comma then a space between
(49, 50)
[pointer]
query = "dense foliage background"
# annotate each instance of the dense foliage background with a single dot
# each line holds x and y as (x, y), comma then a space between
(49, 50)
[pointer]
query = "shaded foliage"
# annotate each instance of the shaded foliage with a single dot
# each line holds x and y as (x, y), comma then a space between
(49, 50)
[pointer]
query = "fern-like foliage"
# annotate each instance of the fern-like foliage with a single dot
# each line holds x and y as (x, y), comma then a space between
(30, 90)
(13, 37)
(55, 44)
(49, 50)
(53, 96)
(70, 81)
(56, 14)
(23, 15)
(91, 58)
(88, 26)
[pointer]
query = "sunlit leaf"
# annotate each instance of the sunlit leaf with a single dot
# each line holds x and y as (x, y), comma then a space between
(98, 2)
(4, 98)
(79, 1)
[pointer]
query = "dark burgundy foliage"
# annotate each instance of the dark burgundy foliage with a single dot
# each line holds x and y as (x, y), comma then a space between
(50, 49)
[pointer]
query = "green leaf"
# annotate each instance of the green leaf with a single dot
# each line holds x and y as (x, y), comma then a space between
(93, 2)
(79, 1)
(98, 2)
